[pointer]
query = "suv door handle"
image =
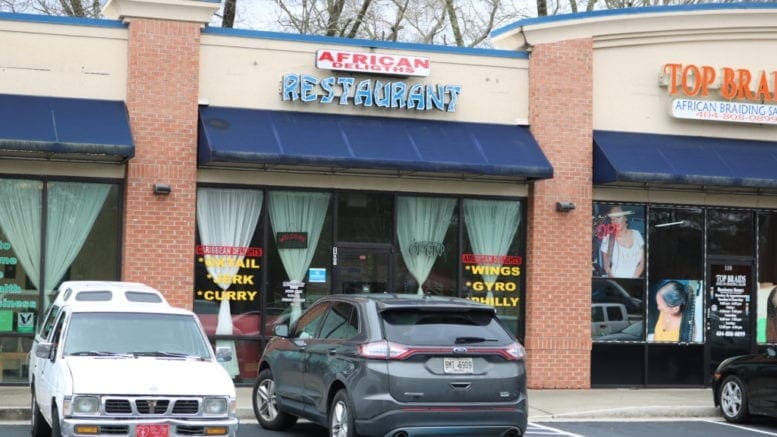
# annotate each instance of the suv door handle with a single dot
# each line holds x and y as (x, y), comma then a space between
(332, 351)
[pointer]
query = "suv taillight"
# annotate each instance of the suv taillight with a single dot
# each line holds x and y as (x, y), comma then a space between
(383, 350)
(514, 352)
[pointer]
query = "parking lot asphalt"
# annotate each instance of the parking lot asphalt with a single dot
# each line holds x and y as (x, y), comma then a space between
(544, 405)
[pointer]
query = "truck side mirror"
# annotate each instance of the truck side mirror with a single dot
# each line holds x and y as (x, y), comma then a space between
(43, 350)
(223, 354)
(281, 330)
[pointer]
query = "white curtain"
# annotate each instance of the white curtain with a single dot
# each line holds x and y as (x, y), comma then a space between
(298, 212)
(421, 220)
(21, 210)
(491, 226)
(72, 209)
(226, 217)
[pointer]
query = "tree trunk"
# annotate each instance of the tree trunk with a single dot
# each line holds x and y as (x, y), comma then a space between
(542, 8)
(228, 19)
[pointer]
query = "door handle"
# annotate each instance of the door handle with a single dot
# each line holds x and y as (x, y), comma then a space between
(332, 351)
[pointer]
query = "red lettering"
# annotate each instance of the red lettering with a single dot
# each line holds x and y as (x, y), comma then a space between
(359, 59)
(341, 56)
(744, 85)
(421, 63)
(763, 87)
(688, 72)
(386, 60)
(708, 78)
(728, 88)
(404, 62)
(326, 56)
(673, 70)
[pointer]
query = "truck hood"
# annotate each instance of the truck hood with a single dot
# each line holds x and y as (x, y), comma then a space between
(149, 376)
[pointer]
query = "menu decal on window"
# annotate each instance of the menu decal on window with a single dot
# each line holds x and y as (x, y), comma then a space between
(482, 266)
(730, 301)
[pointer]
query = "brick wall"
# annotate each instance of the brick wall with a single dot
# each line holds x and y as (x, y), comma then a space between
(558, 303)
(162, 94)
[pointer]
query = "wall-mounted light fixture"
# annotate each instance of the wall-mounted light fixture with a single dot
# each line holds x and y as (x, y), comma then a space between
(564, 206)
(162, 189)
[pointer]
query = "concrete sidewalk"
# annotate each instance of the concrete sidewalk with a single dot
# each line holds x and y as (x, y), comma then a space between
(544, 405)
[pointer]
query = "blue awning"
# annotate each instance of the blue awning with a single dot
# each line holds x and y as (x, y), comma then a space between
(675, 159)
(66, 129)
(271, 139)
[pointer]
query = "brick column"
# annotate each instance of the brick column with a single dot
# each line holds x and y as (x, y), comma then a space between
(162, 92)
(558, 303)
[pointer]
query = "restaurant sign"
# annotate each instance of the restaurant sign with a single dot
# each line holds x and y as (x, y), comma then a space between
(379, 63)
(380, 93)
(746, 95)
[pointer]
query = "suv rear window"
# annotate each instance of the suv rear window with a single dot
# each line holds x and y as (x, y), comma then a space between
(424, 327)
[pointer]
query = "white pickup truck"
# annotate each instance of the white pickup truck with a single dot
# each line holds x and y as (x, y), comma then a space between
(115, 358)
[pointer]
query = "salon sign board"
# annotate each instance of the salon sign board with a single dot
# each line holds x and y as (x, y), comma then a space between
(725, 94)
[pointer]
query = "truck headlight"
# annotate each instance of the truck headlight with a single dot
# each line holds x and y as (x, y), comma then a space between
(214, 406)
(85, 405)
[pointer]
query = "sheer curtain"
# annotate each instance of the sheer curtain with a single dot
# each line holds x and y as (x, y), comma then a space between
(298, 212)
(491, 226)
(421, 220)
(21, 210)
(226, 217)
(72, 209)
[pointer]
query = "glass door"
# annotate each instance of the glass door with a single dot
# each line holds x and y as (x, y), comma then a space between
(364, 269)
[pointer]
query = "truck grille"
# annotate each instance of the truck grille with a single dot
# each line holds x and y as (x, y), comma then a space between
(161, 406)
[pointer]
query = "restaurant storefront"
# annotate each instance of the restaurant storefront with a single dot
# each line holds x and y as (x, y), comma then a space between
(246, 174)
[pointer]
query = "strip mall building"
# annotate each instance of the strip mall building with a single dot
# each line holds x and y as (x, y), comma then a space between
(605, 180)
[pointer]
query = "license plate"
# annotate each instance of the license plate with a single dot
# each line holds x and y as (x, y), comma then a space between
(457, 365)
(152, 430)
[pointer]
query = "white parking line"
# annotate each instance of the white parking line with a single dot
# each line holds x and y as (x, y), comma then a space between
(742, 427)
(537, 429)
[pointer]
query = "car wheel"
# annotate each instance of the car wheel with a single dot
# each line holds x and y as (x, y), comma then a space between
(341, 416)
(265, 406)
(55, 427)
(40, 428)
(733, 399)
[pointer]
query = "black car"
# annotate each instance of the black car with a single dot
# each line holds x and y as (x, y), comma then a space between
(746, 385)
(394, 365)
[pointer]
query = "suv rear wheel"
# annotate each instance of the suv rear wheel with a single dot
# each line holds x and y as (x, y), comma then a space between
(341, 416)
(265, 406)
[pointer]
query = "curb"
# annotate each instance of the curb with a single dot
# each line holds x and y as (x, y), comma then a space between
(640, 412)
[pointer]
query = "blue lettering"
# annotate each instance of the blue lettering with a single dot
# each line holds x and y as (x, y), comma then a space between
(398, 90)
(308, 88)
(327, 85)
(290, 87)
(435, 97)
(453, 91)
(363, 93)
(347, 84)
(415, 98)
(384, 89)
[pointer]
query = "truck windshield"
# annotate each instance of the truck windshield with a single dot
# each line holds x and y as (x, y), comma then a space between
(135, 334)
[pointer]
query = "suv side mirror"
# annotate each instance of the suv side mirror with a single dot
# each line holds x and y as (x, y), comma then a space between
(223, 354)
(43, 350)
(281, 330)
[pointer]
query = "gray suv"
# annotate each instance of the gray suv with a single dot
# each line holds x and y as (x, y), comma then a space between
(394, 365)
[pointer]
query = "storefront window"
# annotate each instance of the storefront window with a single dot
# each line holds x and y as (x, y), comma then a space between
(365, 217)
(228, 256)
(301, 240)
(492, 264)
(730, 232)
(618, 270)
(676, 272)
(78, 240)
(427, 236)
(766, 304)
